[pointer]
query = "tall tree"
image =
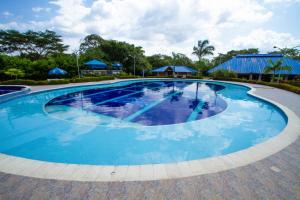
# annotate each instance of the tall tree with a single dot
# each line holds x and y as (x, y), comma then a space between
(159, 60)
(221, 58)
(30, 44)
(92, 41)
(203, 49)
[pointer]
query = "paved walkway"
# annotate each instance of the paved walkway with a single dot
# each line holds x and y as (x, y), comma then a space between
(276, 177)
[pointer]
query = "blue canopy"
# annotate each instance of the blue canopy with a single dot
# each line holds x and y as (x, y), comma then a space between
(180, 69)
(256, 63)
(96, 64)
(117, 65)
(57, 71)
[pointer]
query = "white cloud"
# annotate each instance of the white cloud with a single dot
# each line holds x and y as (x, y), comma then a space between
(265, 40)
(281, 1)
(160, 26)
(40, 9)
(7, 14)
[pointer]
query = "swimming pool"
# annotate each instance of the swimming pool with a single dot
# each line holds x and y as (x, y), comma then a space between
(137, 122)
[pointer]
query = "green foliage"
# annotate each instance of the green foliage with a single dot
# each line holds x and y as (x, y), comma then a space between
(14, 72)
(285, 86)
(30, 44)
(159, 60)
(91, 79)
(127, 76)
(221, 58)
(273, 67)
(223, 74)
(32, 82)
(203, 65)
(92, 41)
(203, 49)
(181, 59)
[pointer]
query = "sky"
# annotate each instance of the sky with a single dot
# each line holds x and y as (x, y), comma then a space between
(162, 26)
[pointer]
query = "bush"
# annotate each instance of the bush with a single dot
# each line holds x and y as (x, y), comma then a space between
(224, 74)
(284, 86)
(32, 82)
(91, 79)
(125, 76)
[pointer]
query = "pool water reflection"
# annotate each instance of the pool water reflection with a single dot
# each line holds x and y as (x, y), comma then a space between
(153, 103)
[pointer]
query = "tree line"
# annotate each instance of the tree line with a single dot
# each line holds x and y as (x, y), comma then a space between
(35, 53)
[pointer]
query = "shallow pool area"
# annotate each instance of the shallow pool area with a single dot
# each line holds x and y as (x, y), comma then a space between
(137, 122)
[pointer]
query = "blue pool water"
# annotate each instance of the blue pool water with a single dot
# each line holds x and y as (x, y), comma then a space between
(8, 89)
(136, 122)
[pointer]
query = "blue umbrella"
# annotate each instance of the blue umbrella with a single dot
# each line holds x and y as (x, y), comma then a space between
(117, 65)
(57, 71)
(96, 64)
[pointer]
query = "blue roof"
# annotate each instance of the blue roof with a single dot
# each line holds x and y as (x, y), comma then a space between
(94, 64)
(177, 69)
(57, 71)
(256, 63)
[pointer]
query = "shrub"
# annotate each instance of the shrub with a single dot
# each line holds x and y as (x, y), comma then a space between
(224, 74)
(285, 86)
(125, 76)
(91, 79)
(32, 82)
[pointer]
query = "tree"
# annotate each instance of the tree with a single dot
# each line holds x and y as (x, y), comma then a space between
(30, 44)
(159, 60)
(14, 72)
(203, 49)
(273, 67)
(221, 58)
(290, 52)
(92, 41)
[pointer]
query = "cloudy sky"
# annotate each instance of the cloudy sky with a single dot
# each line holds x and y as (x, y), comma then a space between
(162, 26)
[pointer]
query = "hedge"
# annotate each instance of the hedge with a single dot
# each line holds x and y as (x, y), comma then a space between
(121, 76)
(285, 86)
(55, 82)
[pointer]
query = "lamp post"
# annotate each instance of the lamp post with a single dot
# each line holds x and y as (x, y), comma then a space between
(77, 53)
(134, 57)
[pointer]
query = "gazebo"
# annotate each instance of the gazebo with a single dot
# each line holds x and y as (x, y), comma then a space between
(96, 64)
(97, 67)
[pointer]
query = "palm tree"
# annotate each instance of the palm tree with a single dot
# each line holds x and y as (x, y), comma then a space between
(203, 49)
(276, 66)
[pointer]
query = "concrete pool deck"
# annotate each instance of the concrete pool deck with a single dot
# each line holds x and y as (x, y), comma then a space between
(276, 177)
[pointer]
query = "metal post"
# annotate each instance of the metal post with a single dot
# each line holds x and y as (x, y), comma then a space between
(134, 65)
(77, 64)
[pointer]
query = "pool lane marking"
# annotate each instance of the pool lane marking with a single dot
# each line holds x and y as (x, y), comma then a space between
(196, 111)
(148, 107)
(119, 97)
(101, 92)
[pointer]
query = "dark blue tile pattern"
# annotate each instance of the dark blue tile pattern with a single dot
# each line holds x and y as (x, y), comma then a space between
(149, 103)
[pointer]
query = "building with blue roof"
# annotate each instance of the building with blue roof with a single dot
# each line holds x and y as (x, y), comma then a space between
(98, 67)
(255, 64)
(174, 70)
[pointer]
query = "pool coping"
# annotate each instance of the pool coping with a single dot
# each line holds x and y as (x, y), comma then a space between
(103, 173)
(12, 95)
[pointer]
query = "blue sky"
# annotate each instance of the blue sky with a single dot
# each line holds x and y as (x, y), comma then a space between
(162, 26)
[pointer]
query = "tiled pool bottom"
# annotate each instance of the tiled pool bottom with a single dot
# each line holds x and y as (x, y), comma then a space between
(152, 103)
